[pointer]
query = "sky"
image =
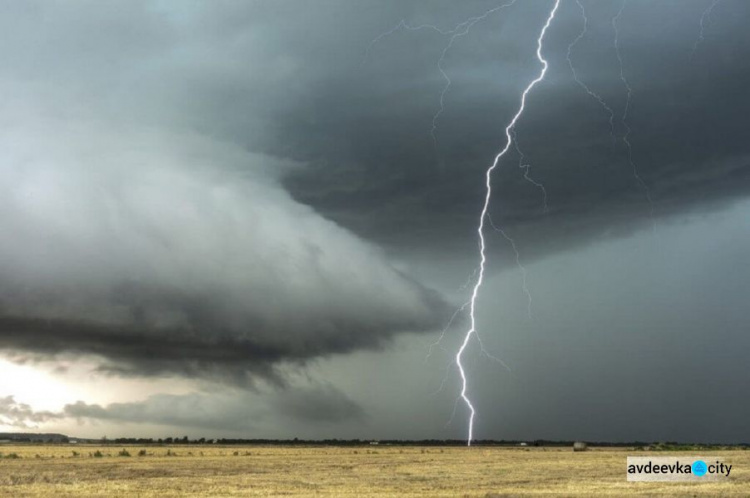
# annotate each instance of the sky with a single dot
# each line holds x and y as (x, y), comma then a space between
(259, 219)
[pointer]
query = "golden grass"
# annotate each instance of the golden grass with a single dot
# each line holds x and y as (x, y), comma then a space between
(52, 470)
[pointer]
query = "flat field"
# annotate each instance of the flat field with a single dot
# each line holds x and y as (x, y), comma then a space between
(211, 470)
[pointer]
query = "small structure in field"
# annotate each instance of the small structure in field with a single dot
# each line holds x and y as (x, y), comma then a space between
(580, 446)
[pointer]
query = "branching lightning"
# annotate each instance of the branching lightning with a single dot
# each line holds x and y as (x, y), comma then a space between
(526, 167)
(624, 119)
(704, 17)
(580, 82)
(461, 29)
(480, 229)
(402, 24)
(438, 343)
(521, 268)
(603, 103)
(620, 132)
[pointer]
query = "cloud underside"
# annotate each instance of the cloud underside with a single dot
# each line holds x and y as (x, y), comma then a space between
(136, 352)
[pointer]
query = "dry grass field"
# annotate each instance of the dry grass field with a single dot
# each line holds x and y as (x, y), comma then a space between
(54, 470)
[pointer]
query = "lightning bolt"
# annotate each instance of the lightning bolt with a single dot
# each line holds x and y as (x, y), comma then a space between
(704, 17)
(480, 229)
(460, 30)
(624, 119)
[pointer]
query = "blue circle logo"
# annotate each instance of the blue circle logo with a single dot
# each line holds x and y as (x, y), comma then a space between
(699, 468)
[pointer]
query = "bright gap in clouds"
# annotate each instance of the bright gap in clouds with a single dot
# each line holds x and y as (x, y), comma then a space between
(49, 386)
(41, 389)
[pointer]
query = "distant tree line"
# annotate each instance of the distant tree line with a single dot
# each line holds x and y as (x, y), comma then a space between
(19, 437)
(397, 442)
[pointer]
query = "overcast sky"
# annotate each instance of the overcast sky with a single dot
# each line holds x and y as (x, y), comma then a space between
(257, 219)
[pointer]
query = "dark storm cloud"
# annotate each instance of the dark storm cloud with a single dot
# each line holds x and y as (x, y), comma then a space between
(687, 120)
(133, 233)
(144, 211)
(292, 80)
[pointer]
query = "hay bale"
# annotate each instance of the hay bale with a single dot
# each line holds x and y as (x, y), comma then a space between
(580, 446)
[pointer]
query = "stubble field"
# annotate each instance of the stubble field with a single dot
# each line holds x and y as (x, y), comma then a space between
(210, 470)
